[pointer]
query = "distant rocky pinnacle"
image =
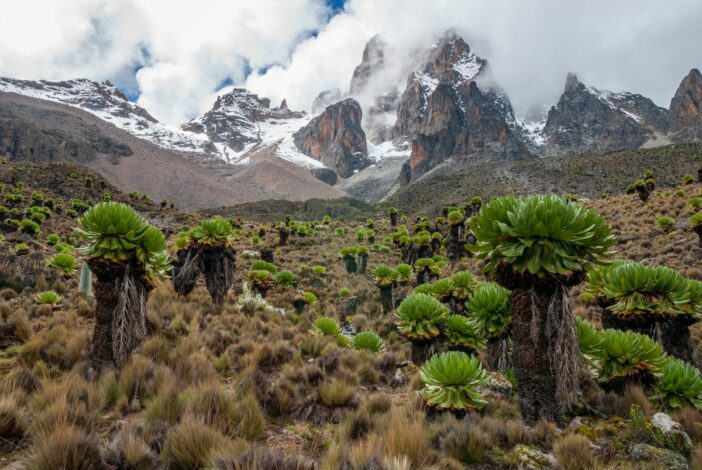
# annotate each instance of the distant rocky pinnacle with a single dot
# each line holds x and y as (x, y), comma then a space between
(336, 138)
(372, 61)
(587, 120)
(324, 99)
(686, 109)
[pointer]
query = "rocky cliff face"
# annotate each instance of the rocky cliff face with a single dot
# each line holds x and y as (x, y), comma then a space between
(235, 119)
(336, 138)
(445, 113)
(686, 109)
(587, 120)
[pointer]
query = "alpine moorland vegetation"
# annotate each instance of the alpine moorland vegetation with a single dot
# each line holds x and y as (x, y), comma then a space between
(502, 355)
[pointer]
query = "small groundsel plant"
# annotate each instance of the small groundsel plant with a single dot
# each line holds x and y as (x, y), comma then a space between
(679, 385)
(286, 279)
(463, 333)
(368, 341)
(621, 356)
(636, 289)
(64, 263)
(490, 307)
(404, 273)
(450, 380)
(421, 316)
(666, 223)
(326, 326)
(463, 284)
(47, 297)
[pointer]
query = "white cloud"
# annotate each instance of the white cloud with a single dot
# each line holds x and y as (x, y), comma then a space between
(645, 46)
(192, 46)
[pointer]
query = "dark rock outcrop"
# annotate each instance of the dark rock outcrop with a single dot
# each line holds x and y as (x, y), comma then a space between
(234, 118)
(325, 175)
(686, 109)
(336, 138)
(586, 120)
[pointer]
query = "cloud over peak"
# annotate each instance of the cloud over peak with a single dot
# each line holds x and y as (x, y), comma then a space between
(175, 55)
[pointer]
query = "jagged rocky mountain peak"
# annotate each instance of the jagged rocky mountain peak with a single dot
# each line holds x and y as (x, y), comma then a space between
(336, 138)
(235, 118)
(571, 82)
(374, 56)
(452, 61)
(686, 108)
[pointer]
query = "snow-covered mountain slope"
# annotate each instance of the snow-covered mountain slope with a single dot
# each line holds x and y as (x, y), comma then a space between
(241, 124)
(105, 101)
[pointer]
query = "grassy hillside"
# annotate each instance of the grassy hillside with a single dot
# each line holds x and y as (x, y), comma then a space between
(586, 176)
(251, 387)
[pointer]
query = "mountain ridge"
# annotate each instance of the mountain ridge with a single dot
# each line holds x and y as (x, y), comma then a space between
(450, 110)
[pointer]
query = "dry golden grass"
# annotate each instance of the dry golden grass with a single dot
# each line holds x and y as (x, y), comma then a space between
(222, 389)
(573, 452)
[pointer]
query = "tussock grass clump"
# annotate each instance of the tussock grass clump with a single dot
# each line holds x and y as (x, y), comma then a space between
(236, 415)
(129, 450)
(69, 447)
(14, 423)
(334, 392)
(192, 443)
(263, 458)
(573, 452)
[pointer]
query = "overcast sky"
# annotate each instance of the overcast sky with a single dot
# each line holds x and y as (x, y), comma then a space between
(174, 56)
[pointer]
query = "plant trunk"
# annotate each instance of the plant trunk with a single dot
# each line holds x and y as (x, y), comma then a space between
(106, 303)
(120, 312)
(393, 220)
(643, 194)
(218, 265)
(185, 271)
(642, 378)
(283, 234)
(267, 255)
(362, 264)
(260, 290)
(545, 350)
(498, 354)
(674, 335)
(425, 251)
(422, 350)
(698, 231)
(386, 297)
(350, 264)
(638, 323)
(423, 277)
